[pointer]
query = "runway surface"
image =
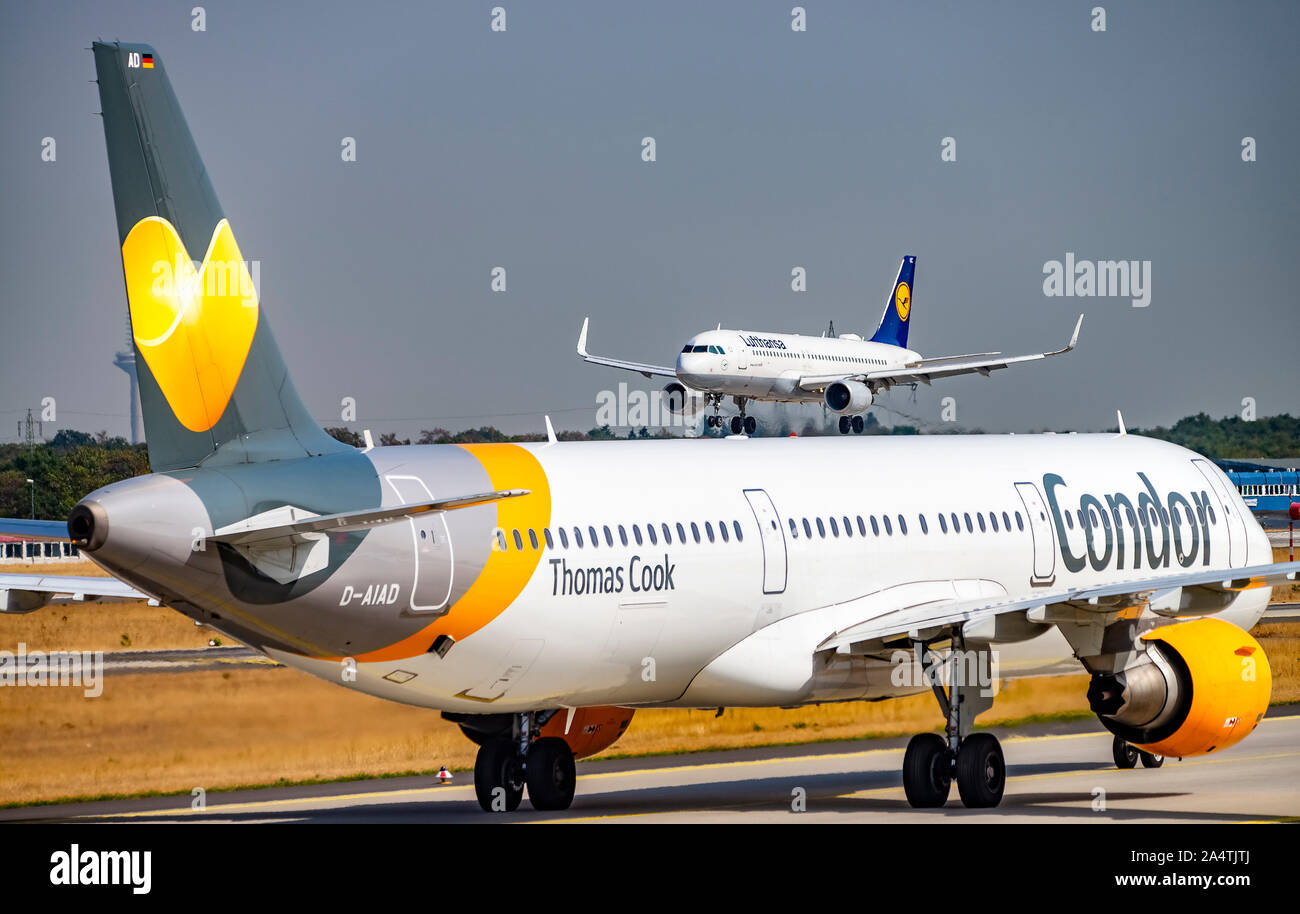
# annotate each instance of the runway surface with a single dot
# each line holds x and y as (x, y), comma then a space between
(1061, 773)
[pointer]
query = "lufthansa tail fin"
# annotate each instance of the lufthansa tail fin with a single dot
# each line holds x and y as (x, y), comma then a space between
(893, 323)
(211, 378)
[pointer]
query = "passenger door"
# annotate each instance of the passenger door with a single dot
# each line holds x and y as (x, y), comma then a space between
(431, 542)
(772, 539)
(1044, 537)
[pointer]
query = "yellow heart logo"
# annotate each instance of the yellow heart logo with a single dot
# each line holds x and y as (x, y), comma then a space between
(193, 326)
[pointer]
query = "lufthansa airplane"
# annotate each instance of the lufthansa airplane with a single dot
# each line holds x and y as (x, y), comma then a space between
(845, 373)
(538, 594)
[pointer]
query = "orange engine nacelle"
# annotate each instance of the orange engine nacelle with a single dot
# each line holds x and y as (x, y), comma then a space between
(1200, 686)
(591, 730)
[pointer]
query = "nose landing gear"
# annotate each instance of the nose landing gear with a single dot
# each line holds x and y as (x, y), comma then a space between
(853, 423)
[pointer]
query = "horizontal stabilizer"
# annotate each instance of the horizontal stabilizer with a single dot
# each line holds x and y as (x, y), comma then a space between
(23, 593)
(257, 530)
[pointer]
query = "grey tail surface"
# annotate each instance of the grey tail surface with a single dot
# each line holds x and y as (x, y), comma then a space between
(213, 385)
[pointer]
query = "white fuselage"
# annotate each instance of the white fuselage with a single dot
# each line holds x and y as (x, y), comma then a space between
(736, 620)
(769, 365)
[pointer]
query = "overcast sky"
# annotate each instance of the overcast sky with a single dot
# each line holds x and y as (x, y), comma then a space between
(775, 149)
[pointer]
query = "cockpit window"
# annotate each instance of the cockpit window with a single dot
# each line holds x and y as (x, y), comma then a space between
(721, 351)
(701, 348)
(686, 348)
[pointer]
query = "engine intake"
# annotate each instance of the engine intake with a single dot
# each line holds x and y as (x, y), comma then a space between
(680, 400)
(848, 398)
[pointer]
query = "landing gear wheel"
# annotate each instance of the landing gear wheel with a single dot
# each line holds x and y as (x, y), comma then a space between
(497, 766)
(751, 425)
(552, 775)
(1150, 760)
(927, 771)
(737, 425)
(1125, 754)
(710, 421)
(844, 425)
(981, 771)
(857, 425)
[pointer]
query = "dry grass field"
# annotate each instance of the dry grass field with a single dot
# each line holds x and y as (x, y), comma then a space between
(174, 732)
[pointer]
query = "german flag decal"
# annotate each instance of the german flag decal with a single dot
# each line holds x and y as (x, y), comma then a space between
(146, 61)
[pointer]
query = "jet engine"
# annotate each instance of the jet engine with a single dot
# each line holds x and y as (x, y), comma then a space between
(848, 398)
(1199, 686)
(680, 400)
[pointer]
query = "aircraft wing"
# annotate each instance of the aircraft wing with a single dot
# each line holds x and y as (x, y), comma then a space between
(23, 593)
(1178, 594)
(926, 370)
(649, 371)
(34, 529)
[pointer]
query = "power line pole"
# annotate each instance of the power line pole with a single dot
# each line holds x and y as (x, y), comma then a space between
(29, 430)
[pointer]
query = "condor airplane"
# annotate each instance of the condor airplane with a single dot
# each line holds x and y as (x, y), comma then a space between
(844, 373)
(539, 594)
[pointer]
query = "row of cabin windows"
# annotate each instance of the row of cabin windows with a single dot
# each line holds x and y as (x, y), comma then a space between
(786, 354)
(722, 532)
(950, 522)
(886, 523)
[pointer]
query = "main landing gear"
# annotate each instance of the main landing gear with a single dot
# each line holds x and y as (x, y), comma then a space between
(932, 762)
(1127, 756)
(505, 766)
(739, 424)
(851, 422)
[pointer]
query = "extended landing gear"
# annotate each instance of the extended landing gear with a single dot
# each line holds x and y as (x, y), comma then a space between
(741, 424)
(1127, 755)
(505, 766)
(551, 774)
(498, 776)
(973, 760)
(853, 423)
(714, 421)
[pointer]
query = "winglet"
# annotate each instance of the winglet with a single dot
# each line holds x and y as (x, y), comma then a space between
(1122, 430)
(550, 432)
(1074, 339)
(582, 339)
